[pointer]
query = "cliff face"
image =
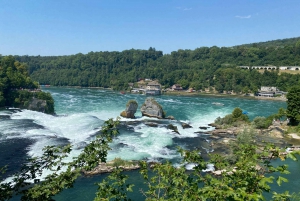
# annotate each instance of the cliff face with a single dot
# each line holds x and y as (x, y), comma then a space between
(152, 109)
(37, 101)
(36, 104)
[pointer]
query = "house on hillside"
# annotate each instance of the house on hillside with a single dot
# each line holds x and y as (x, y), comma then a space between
(142, 84)
(176, 87)
(153, 88)
(266, 91)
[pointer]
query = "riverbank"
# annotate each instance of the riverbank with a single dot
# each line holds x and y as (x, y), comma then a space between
(79, 87)
(111, 165)
(197, 93)
(193, 93)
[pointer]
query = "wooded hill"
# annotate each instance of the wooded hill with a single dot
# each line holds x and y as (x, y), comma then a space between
(201, 68)
(17, 89)
(274, 43)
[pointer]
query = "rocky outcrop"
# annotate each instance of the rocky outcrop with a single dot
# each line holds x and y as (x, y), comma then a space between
(170, 117)
(152, 109)
(130, 110)
(173, 128)
(108, 167)
(185, 125)
(151, 124)
(203, 127)
(36, 104)
(229, 131)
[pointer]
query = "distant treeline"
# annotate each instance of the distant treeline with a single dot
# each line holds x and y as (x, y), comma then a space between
(201, 68)
(274, 43)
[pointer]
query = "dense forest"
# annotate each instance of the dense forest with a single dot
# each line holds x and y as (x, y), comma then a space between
(16, 87)
(201, 68)
(274, 43)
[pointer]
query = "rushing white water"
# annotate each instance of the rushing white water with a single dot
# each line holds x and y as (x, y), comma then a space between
(81, 113)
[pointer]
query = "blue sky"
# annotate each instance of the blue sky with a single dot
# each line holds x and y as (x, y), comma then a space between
(64, 27)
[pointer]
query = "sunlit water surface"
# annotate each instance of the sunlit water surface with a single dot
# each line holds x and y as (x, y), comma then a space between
(81, 112)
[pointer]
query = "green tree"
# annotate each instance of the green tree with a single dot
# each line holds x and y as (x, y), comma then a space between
(260, 123)
(63, 173)
(237, 113)
(293, 105)
(240, 179)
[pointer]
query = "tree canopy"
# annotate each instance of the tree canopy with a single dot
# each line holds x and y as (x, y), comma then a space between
(245, 178)
(201, 68)
(293, 105)
(17, 88)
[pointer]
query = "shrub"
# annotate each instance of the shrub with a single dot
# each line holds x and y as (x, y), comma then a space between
(237, 112)
(117, 162)
(260, 122)
(131, 102)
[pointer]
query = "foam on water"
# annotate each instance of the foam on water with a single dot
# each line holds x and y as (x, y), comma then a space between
(81, 112)
(144, 143)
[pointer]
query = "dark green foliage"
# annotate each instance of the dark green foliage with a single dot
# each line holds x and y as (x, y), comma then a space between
(114, 187)
(234, 119)
(22, 98)
(227, 120)
(260, 123)
(52, 159)
(293, 105)
(239, 180)
(237, 113)
(16, 87)
(274, 43)
(200, 68)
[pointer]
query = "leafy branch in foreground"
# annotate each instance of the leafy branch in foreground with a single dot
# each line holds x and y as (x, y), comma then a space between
(246, 177)
(63, 174)
(114, 187)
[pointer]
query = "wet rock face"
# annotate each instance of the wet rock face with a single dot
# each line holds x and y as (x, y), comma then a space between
(152, 109)
(185, 125)
(36, 104)
(173, 128)
(130, 110)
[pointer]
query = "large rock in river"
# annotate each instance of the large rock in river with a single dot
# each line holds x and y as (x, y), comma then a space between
(152, 109)
(130, 110)
(36, 104)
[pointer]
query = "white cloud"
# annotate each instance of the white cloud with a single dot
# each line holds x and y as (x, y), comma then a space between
(243, 17)
(185, 9)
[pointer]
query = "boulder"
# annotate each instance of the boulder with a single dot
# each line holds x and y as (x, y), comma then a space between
(170, 117)
(152, 109)
(130, 110)
(174, 128)
(185, 125)
(203, 127)
(151, 124)
(36, 104)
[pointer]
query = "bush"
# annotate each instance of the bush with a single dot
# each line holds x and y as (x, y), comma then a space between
(117, 162)
(236, 118)
(260, 122)
(237, 112)
(131, 102)
(227, 120)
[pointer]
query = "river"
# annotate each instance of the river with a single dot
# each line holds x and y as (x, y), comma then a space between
(82, 111)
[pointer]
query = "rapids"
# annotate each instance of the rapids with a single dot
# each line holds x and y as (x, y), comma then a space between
(80, 112)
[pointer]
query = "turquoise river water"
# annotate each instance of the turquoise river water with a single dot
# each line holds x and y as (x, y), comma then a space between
(81, 112)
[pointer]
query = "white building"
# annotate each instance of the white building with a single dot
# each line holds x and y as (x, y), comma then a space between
(153, 88)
